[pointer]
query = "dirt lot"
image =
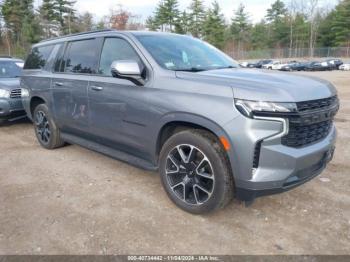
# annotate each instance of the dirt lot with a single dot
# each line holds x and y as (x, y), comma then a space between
(74, 201)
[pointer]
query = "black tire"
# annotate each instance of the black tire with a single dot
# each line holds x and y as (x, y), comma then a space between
(3, 122)
(219, 182)
(47, 126)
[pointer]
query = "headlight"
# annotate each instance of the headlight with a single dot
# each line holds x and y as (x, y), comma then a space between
(4, 93)
(249, 108)
(24, 92)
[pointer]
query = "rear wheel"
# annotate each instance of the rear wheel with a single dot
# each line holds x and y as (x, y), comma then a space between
(195, 172)
(46, 130)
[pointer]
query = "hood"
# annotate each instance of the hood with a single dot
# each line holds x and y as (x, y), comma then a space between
(10, 83)
(266, 86)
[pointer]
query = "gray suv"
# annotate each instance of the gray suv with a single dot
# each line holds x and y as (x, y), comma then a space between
(11, 107)
(176, 104)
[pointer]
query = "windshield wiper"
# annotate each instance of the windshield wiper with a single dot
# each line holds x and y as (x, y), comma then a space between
(222, 67)
(192, 69)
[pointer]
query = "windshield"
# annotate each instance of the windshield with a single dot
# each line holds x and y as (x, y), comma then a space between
(184, 53)
(9, 69)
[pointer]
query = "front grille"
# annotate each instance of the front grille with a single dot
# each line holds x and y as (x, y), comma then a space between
(301, 135)
(316, 104)
(312, 123)
(16, 93)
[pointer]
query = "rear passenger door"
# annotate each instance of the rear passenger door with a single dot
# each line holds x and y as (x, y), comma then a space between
(73, 70)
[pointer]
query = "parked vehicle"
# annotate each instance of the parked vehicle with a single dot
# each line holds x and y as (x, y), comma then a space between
(274, 65)
(263, 62)
(252, 65)
(244, 64)
(300, 66)
(334, 63)
(317, 66)
(175, 104)
(345, 67)
(11, 107)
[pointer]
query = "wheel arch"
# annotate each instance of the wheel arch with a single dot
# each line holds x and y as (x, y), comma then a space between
(34, 102)
(174, 123)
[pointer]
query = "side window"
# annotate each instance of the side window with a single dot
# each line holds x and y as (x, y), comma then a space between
(58, 64)
(116, 49)
(38, 57)
(81, 57)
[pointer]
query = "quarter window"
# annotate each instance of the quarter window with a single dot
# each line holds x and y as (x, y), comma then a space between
(38, 57)
(116, 49)
(81, 57)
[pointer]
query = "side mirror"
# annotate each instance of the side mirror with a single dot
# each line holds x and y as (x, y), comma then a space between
(127, 69)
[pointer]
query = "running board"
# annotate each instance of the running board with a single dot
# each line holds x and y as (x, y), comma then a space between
(17, 118)
(114, 153)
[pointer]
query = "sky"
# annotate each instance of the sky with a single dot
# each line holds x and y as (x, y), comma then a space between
(144, 8)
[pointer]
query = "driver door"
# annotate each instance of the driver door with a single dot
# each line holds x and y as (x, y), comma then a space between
(116, 105)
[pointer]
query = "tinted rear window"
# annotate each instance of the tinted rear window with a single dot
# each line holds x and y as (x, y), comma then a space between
(38, 57)
(81, 57)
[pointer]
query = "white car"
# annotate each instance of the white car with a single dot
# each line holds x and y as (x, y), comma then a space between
(244, 64)
(275, 65)
(345, 67)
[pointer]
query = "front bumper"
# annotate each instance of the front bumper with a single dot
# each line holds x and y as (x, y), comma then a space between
(280, 168)
(11, 108)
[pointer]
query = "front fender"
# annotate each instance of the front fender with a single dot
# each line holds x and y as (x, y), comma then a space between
(187, 118)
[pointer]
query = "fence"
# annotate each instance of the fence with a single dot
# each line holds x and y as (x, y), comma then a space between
(290, 53)
(14, 52)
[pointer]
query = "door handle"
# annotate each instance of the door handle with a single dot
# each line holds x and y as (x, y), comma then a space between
(58, 84)
(97, 88)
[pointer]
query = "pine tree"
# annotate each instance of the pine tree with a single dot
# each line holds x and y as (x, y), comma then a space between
(240, 27)
(151, 24)
(214, 26)
(165, 17)
(20, 21)
(278, 24)
(196, 18)
(182, 25)
(48, 16)
(65, 15)
(341, 24)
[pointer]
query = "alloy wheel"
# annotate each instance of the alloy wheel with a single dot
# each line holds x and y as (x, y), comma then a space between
(42, 127)
(190, 174)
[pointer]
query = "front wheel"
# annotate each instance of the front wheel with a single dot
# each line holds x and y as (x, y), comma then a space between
(195, 172)
(46, 130)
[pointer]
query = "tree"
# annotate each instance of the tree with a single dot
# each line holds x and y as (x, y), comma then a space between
(21, 26)
(214, 26)
(152, 24)
(183, 23)
(341, 24)
(119, 18)
(165, 16)
(258, 35)
(65, 15)
(276, 12)
(314, 16)
(196, 18)
(48, 18)
(84, 22)
(278, 24)
(240, 26)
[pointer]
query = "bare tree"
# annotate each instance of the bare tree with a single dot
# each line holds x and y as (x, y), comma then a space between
(313, 14)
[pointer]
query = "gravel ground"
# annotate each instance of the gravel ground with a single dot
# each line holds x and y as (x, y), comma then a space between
(75, 201)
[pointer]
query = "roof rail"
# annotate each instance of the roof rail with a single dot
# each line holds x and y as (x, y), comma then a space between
(77, 34)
